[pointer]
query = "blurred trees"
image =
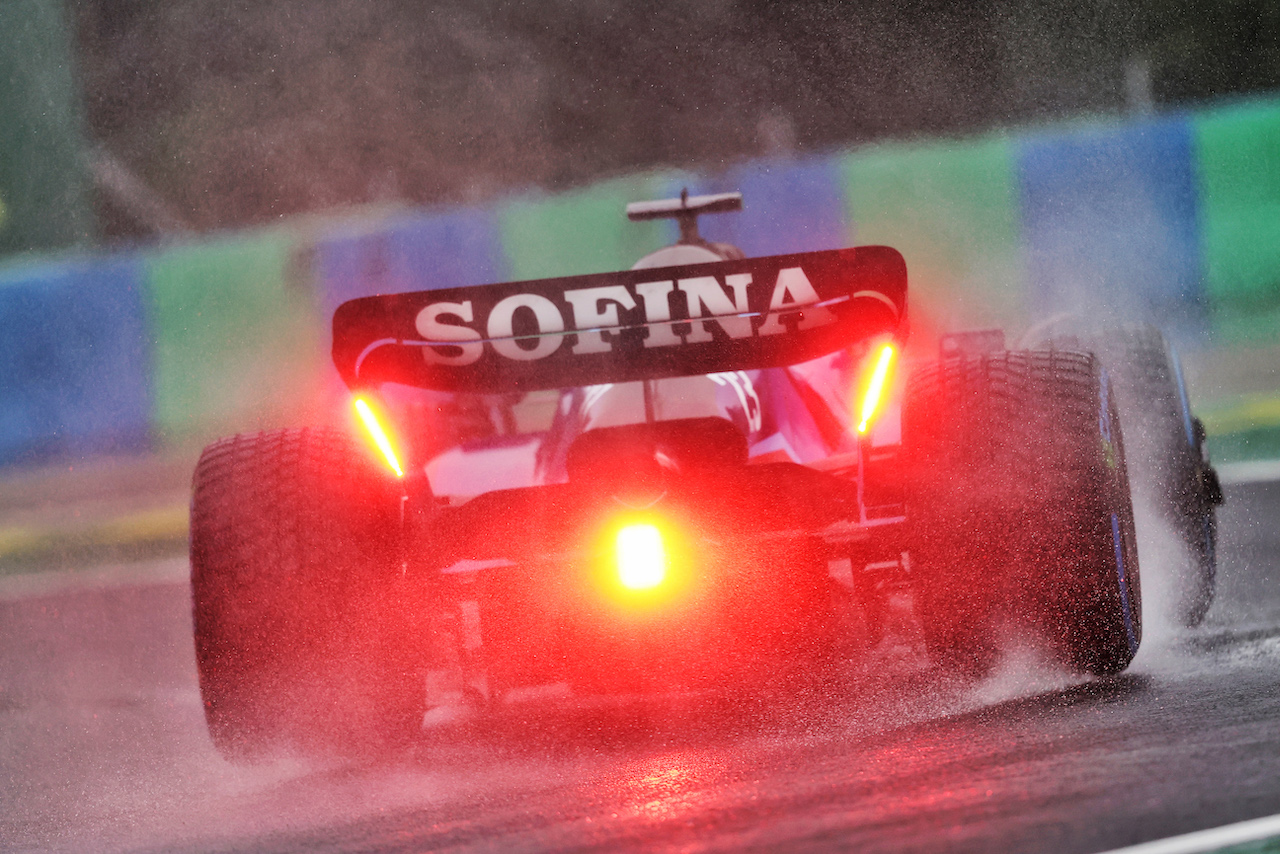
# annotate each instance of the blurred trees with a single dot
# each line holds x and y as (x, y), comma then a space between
(239, 111)
(44, 181)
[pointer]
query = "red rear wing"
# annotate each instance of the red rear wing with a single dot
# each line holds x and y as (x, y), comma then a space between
(616, 327)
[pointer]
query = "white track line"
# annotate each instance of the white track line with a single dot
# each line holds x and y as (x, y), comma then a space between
(1214, 839)
(1253, 471)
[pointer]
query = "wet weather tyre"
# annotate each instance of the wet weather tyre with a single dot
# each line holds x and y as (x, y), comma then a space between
(300, 629)
(1020, 510)
(1167, 458)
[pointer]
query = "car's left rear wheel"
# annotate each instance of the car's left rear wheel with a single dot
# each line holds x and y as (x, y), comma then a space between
(302, 632)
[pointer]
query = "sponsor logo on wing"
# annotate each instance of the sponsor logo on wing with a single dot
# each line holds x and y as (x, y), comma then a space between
(593, 317)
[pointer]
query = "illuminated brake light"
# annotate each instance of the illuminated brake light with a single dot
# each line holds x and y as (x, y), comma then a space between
(642, 558)
(378, 435)
(875, 388)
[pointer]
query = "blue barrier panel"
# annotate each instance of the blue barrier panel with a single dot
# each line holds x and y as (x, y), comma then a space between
(73, 359)
(412, 253)
(788, 206)
(1109, 222)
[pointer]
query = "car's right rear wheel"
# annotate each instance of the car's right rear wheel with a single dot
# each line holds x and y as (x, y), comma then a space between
(1020, 510)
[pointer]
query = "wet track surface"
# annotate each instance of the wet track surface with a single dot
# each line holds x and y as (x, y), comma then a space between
(104, 748)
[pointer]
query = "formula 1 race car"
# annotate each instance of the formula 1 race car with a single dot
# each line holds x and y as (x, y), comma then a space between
(674, 477)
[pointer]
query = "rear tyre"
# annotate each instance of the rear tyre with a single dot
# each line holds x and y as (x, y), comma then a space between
(1020, 508)
(1167, 454)
(301, 632)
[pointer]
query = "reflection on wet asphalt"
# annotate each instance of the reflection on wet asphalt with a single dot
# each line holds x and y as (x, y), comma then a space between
(104, 747)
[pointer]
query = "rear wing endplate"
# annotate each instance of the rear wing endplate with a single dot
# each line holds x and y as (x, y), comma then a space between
(630, 325)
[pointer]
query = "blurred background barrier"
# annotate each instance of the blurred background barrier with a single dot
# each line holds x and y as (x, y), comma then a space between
(75, 375)
(1237, 152)
(235, 335)
(1109, 223)
(1173, 218)
(788, 206)
(951, 208)
(407, 252)
(584, 231)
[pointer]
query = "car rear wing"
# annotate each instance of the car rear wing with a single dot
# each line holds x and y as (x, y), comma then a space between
(616, 327)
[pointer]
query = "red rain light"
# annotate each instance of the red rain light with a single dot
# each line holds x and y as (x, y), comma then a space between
(642, 557)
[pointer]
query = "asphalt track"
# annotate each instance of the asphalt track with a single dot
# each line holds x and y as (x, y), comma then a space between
(103, 744)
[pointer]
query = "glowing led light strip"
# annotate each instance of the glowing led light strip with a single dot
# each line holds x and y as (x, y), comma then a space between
(875, 389)
(378, 435)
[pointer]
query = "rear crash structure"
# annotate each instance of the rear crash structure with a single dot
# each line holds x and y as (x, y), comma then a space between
(666, 478)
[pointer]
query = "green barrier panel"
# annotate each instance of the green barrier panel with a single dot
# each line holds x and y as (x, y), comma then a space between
(584, 231)
(951, 209)
(236, 347)
(1238, 161)
(1262, 443)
